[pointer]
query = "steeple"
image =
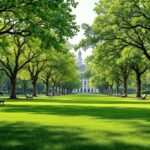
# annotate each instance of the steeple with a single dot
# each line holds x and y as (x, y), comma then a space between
(79, 61)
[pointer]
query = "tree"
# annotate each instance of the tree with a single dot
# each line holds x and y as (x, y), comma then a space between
(46, 78)
(139, 64)
(124, 70)
(19, 56)
(109, 61)
(35, 68)
(127, 26)
(24, 77)
(2, 78)
(51, 21)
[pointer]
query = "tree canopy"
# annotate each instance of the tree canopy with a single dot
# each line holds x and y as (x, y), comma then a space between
(119, 36)
(31, 33)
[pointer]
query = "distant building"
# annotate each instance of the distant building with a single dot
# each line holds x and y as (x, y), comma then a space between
(85, 88)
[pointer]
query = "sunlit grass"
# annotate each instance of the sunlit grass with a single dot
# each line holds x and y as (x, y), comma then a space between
(78, 122)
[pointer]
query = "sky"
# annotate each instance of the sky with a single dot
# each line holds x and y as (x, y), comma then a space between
(84, 14)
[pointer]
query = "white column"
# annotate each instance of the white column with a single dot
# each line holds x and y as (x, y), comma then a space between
(90, 90)
(83, 86)
(97, 90)
(87, 87)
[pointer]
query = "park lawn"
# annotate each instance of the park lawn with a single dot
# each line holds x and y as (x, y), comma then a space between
(75, 122)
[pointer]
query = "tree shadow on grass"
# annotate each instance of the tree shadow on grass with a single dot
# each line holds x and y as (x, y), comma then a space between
(29, 136)
(92, 101)
(83, 101)
(121, 113)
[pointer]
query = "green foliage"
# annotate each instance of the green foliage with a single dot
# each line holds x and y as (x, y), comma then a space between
(119, 35)
(51, 21)
(127, 25)
(66, 71)
(30, 32)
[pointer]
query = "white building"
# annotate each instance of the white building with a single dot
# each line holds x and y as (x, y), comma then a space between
(85, 88)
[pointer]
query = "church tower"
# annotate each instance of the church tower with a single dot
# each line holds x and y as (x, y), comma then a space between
(79, 61)
(85, 87)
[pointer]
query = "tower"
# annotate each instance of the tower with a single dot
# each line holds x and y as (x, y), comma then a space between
(79, 60)
(85, 87)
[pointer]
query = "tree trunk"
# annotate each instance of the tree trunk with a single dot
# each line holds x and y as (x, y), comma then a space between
(47, 87)
(107, 90)
(138, 84)
(13, 87)
(53, 91)
(62, 91)
(34, 87)
(117, 87)
(125, 87)
(56, 91)
(8, 86)
(24, 87)
(111, 89)
(59, 90)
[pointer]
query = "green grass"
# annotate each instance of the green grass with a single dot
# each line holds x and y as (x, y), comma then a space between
(75, 122)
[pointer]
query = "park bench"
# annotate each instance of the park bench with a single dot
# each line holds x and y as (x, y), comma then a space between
(50, 94)
(143, 96)
(2, 102)
(117, 95)
(29, 96)
(123, 96)
(114, 94)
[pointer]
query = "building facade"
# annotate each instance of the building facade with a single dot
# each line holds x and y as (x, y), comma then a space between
(85, 87)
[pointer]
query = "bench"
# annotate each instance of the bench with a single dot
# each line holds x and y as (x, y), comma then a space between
(28, 96)
(123, 96)
(143, 96)
(117, 95)
(2, 102)
(50, 94)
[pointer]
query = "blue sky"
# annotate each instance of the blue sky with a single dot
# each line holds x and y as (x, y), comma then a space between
(85, 14)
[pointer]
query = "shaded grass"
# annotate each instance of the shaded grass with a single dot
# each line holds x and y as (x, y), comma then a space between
(76, 122)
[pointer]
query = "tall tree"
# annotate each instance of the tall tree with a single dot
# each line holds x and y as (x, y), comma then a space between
(17, 57)
(35, 68)
(46, 78)
(127, 26)
(139, 64)
(39, 18)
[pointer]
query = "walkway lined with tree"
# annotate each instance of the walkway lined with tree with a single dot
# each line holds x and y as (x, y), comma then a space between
(120, 38)
(34, 39)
